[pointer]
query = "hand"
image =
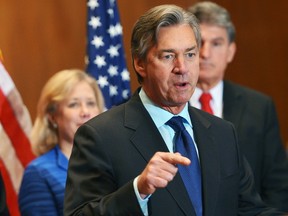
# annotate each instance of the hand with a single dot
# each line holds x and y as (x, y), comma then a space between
(159, 171)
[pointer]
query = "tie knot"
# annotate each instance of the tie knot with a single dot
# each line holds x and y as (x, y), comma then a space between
(205, 98)
(176, 123)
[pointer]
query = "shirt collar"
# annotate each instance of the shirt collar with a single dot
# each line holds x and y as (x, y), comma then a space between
(159, 115)
(217, 98)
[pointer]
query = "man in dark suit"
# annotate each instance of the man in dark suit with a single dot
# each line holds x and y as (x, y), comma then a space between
(252, 113)
(123, 161)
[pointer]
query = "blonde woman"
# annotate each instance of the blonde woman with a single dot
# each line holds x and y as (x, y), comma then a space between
(68, 99)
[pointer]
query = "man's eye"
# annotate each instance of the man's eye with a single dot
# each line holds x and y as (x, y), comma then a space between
(217, 44)
(190, 55)
(167, 56)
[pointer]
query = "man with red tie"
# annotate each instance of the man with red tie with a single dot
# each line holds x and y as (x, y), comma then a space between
(252, 113)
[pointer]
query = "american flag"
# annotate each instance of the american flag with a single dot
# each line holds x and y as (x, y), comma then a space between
(106, 59)
(15, 148)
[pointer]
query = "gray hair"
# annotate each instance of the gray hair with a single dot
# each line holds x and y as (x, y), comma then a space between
(146, 29)
(213, 14)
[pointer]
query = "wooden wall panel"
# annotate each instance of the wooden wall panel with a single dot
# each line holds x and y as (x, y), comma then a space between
(39, 38)
(261, 60)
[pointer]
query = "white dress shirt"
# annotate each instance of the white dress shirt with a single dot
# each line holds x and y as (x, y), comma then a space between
(216, 102)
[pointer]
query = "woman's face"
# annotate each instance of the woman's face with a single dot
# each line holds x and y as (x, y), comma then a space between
(78, 107)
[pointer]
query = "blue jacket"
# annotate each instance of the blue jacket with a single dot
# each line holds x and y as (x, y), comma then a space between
(43, 185)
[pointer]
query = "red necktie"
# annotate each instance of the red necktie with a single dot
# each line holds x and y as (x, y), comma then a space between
(205, 102)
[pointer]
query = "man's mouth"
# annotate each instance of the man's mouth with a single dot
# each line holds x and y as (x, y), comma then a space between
(182, 84)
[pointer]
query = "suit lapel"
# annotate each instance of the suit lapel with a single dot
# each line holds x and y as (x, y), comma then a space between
(146, 137)
(209, 159)
(150, 136)
(146, 133)
(233, 106)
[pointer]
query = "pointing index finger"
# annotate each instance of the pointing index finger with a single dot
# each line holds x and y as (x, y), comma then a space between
(177, 158)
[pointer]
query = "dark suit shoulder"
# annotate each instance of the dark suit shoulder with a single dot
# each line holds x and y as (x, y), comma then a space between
(208, 119)
(237, 89)
(111, 115)
(129, 114)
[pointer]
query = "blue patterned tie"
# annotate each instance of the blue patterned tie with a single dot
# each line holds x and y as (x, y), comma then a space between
(191, 175)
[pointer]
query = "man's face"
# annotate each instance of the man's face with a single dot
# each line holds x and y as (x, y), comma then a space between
(170, 71)
(215, 54)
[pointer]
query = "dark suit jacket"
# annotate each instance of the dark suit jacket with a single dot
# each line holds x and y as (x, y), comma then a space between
(113, 148)
(254, 117)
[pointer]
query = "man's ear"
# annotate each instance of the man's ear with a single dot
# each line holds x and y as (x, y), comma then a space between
(232, 51)
(139, 66)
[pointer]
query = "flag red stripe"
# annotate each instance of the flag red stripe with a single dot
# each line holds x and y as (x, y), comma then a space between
(14, 131)
(11, 196)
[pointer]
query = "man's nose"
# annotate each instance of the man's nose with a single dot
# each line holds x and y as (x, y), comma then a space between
(205, 50)
(180, 64)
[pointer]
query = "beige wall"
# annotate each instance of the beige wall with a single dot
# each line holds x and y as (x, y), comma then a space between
(39, 38)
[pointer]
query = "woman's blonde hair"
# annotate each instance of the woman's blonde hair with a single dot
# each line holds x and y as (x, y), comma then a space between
(44, 134)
